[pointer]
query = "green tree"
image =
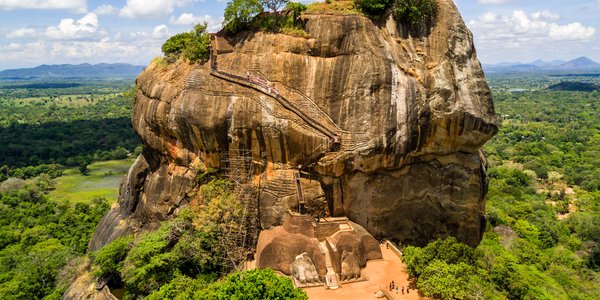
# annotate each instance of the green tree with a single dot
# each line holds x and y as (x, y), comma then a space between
(445, 281)
(198, 47)
(274, 6)
(109, 259)
(175, 45)
(375, 8)
(193, 45)
(83, 169)
(415, 12)
(130, 93)
(257, 284)
(240, 13)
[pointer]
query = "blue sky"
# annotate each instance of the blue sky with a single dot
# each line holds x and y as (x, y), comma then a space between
(34, 32)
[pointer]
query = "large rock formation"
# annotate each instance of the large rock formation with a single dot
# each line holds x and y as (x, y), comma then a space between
(387, 128)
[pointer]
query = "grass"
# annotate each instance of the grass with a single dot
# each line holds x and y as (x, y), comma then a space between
(297, 32)
(340, 7)
(103, 181)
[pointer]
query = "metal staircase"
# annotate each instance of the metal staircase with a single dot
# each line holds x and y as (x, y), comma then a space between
(291, 99)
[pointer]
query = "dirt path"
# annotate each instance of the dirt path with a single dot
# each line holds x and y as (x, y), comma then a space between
(572, 204)
(380, 273)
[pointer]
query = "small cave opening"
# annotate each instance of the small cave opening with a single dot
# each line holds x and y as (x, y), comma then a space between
(115, 285)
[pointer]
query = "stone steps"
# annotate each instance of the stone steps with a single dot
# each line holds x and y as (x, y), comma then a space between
(331, 280)
(281, 185)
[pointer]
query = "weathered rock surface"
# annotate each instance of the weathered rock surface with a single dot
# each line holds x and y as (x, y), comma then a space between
(304, 270)
(85, 287)
(350, 266)
(301, 241)
(412, 114)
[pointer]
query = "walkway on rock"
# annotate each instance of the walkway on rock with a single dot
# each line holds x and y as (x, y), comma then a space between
(289, 98)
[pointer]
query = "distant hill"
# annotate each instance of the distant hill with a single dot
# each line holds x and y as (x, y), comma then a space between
(581, 63)
(68, 71)
(574, 86)
(578, 64)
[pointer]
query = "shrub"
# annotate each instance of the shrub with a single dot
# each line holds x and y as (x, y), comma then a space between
(445, 281)
(415, 12)
(108, 261)
(239, 14)
(250, 14)
(448, 250)
(257, 284)
(176, 44)
(193, 45)
(373, 7)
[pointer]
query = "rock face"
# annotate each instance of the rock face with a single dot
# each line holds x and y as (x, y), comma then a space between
(307, 249)
(387, 128)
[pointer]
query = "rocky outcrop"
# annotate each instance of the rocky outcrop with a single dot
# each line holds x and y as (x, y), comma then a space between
(85, 287)
(387, 128)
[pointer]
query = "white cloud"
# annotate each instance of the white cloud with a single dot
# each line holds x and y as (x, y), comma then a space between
(13, 46)
(79, 6)
(139, 34)
(160, 32)
(150, 8)
(545, 15)
(84, 50)
(213, 24)
(105, 9)
(19, 33)
(184, 19)
(119, 48)
(492, 1)
(521, 36)
(31, 52)
(71, 29)
(573, 31)
(521, 28)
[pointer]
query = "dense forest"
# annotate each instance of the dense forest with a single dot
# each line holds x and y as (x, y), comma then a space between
(543, 204)
(63, 124)
(43, 127)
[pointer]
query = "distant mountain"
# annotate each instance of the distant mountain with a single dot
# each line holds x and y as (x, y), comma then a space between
(578, 64)
(581, 63)
(545, 64)
(67, 71)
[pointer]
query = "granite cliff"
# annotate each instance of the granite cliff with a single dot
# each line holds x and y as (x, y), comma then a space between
(386, 128)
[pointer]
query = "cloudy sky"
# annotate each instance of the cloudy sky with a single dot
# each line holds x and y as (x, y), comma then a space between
(34, 32)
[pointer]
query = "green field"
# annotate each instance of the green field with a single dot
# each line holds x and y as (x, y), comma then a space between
(102, 181)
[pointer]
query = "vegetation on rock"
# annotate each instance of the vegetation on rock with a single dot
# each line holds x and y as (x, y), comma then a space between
(268, 15)
(193, 45)
(333, 7)
(412, 12)
(261, 284)
(188, 254)
(374, 7)
(240, 13)
(415, 12)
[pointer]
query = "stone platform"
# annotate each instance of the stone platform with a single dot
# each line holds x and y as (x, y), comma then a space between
(329, 252)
